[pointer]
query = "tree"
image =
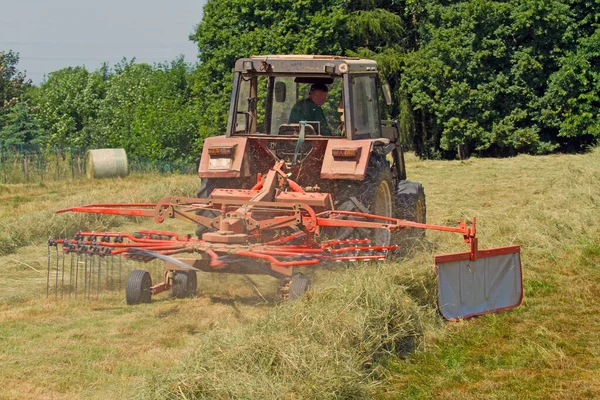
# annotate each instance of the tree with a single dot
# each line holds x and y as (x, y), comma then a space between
(69, 103)
(12, 82)
(571, 105)
(478, 77)
(150, 111)
(20, 126)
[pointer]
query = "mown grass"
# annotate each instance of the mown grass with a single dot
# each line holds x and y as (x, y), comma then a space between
(364, 331)
(27, 211)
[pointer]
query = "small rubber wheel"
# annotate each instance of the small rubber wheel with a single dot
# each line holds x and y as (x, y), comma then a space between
(184, 284)
(298, 285)
(138, 289)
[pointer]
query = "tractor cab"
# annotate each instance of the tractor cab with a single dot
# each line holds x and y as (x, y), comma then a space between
(272, 117)
(266, 89)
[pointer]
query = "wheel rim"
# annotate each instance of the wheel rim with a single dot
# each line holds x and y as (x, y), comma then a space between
(383, 207)
(146, 292)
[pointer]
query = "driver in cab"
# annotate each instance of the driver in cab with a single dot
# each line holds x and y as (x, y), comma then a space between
(310, 109)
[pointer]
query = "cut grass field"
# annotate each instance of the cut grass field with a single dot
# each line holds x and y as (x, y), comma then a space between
(363, 331)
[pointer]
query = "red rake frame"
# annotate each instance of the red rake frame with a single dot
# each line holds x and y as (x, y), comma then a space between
(469, 284)
(248, 225)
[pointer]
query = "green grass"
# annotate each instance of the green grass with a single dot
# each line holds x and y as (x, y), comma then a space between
(364, 331)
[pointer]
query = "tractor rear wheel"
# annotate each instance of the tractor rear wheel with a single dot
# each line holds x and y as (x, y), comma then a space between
(184, 284)
(410, 205)
(373, 195)
(138, 288)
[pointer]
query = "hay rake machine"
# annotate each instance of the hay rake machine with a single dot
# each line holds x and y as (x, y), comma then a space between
(271, 228)
(282, 189)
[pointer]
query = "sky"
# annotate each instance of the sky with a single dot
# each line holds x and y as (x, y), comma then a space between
(54, 34)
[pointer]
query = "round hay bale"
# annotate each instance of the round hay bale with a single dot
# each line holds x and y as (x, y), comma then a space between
(106, 163)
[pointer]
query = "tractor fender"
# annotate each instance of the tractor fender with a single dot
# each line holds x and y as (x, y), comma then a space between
(348, 159)
(223, 157)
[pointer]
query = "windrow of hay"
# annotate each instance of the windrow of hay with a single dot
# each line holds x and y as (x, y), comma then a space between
(329, 344)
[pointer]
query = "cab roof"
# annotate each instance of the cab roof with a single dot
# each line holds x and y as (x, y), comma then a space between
(304, 64)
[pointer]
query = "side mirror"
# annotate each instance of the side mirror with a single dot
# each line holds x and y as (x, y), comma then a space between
(387, 94)
(280, 92)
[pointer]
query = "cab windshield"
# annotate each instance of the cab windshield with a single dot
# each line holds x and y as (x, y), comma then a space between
(275, 105)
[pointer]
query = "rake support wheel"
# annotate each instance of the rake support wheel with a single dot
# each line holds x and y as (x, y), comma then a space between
(138, 289)
(298, 285)
(184, 284)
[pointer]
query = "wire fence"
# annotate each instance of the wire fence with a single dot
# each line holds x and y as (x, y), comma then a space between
(37, 163)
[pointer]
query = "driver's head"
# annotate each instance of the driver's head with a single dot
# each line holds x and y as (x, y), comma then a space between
(318, 93)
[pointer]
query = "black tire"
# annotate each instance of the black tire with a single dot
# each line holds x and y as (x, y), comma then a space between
(374, 195)
(184, 284)
(298, 286)
(138, 288)
(411, 206)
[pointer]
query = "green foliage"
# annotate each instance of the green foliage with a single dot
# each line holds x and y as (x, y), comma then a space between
(19, 127)
(572, 102)
(482, 71)
(12, 82)
(69, 102)
(12, 86)
(377, 28)
(500, 77)
(148, 110)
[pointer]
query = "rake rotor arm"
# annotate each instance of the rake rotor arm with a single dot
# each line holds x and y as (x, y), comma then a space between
(371, 221)
(131, 210)
(328, 218)
(181, 208)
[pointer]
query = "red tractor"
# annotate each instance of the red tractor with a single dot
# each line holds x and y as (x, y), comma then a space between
(351, 153)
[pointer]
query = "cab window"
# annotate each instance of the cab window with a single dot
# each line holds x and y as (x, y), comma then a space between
(365, 110)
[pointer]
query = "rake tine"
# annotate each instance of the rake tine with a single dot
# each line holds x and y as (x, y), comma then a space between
(99, 270)
(48, 277)
(109, 272)
(112, 271)
(76, 272)
(90, 277)
(106, 273)
(70, 273)
(85, 275)
(62, 283)
(56, 284)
